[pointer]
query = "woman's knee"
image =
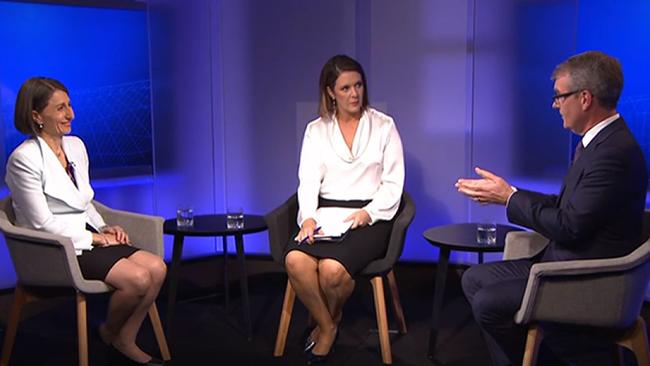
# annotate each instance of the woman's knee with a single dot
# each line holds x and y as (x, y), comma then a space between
(139, 280)
(332, 274)
(296, 262)
(158, 270)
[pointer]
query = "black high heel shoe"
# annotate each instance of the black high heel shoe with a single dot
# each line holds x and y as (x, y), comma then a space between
(313, 358)
(308, 342)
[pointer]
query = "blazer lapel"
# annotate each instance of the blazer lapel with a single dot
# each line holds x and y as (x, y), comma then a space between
(575, 171)
(56, 182)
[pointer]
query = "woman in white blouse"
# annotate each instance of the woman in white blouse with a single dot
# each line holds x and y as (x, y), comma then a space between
(352, 171)
(48, 178)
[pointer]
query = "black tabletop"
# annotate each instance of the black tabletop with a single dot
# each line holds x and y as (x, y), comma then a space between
(215, 225)
(463, 237)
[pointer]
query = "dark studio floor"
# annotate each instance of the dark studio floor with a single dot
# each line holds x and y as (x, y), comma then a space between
(206, 334)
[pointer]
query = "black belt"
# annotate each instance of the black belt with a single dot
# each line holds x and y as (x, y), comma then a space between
(326, 202)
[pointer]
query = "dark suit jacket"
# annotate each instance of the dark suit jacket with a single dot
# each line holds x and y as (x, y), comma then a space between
(599, 211)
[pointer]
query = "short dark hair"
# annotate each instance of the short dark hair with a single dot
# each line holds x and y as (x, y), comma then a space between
(34, 95)
(331, 71)
(595, 71)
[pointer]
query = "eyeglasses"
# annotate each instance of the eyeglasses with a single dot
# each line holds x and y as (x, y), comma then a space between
(560, 97)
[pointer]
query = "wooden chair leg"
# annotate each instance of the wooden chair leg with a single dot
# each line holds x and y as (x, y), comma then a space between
(533, 340)
(636, 340)
(382, 321)
(397, 305)
(159, 333)
(20, 297)
(82, 329)
(285, 319)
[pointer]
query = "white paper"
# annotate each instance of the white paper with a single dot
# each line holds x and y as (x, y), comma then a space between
(331, 221)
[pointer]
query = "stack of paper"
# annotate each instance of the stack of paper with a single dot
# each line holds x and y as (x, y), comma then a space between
(331, 221)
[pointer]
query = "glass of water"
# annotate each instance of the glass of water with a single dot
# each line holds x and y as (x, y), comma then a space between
(185, 217)
(486, 233)
(235, 218)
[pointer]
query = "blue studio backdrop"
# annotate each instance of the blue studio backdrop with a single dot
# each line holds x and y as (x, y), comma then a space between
(102, 56)
(467, 82)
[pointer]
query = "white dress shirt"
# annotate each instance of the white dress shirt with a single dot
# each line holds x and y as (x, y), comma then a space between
(372, 170)
(591, 134)
(43, 195)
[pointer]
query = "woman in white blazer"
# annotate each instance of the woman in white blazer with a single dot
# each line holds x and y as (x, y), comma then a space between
(351, 174)
(48, 178)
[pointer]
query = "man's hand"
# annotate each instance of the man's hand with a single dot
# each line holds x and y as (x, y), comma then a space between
(490, 189)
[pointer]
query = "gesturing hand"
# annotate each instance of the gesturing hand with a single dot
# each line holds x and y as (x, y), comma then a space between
(359, 219)
(490, 189)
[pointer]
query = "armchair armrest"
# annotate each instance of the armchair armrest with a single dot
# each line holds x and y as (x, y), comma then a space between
(45, 259)
(145, 232)
(523, 244)
(596, 292)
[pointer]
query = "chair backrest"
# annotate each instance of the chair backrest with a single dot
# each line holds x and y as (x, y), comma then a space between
(636, 283)
(645, 231)
(7, 210)
(40, 258)
(282, 226)
(597, 292)
(403, 219)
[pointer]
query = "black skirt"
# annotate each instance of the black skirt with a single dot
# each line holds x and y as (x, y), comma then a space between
(96, 263)
(358, 247)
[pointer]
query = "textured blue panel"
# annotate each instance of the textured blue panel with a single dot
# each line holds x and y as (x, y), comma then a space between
(101, 55)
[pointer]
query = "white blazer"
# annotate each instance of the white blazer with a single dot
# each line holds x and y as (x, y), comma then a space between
(43, 195)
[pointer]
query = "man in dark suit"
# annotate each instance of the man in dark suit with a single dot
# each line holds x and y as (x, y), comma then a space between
(599, 210)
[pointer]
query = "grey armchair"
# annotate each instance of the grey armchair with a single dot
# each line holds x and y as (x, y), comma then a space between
(572, 292)
(47, 260)
(282, 226)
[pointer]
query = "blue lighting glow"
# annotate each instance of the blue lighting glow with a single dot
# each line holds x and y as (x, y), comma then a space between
(102, 56)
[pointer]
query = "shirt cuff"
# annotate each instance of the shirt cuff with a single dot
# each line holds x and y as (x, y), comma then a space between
(514, 190)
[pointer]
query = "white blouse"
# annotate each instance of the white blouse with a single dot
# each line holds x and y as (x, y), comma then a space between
(372, 170)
